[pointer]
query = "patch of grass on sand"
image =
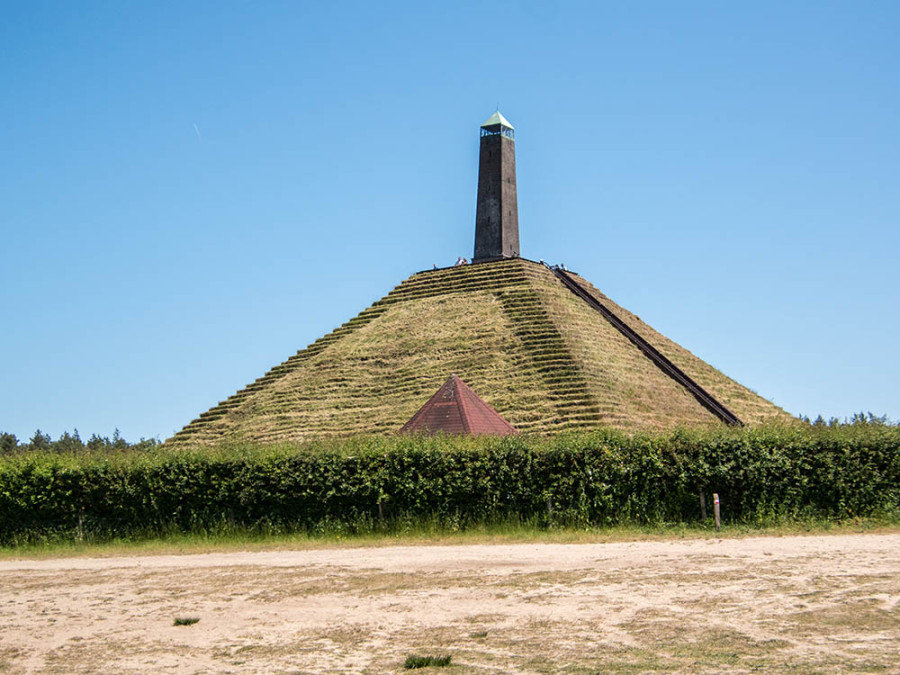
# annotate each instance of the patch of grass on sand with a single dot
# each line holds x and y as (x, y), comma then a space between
(415, 661)
(185, 620)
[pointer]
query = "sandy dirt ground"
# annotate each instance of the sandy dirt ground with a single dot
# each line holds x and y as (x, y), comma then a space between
(804, 604)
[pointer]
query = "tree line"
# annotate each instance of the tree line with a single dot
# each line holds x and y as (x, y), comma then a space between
(71, 443)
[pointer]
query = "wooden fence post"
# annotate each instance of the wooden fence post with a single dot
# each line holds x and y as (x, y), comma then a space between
(716, 511)
(703, 506)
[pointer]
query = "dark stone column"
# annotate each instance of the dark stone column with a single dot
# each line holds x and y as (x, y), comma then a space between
(497, 215)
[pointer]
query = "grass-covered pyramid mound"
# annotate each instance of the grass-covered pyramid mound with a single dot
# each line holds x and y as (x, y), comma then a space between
(537, 353)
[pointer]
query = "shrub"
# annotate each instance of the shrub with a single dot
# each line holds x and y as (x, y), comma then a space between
(389, 484)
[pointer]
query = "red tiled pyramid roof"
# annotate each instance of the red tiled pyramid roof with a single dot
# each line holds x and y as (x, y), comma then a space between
(456, 409)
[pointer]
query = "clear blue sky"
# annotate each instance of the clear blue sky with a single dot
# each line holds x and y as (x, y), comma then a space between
(192, 191)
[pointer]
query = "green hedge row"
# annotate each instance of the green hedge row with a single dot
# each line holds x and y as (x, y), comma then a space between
(598, 479)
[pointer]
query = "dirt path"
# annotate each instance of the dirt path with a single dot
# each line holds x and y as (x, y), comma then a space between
(817, 603)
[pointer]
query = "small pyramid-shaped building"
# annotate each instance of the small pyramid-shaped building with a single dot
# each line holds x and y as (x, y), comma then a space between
(543, 345)
(456, 409)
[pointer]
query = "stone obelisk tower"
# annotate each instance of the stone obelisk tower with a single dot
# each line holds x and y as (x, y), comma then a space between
(497, 216)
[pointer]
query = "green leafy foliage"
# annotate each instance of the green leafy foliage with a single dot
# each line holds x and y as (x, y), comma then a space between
(367, 484)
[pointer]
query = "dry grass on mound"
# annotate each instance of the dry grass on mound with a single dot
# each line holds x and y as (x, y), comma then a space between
(375, 379)
(543, 358)
(745, 403)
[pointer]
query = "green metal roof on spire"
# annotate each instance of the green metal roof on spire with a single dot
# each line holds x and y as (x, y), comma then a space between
(497, 118)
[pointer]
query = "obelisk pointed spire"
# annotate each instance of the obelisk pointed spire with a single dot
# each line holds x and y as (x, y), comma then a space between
(497, 214)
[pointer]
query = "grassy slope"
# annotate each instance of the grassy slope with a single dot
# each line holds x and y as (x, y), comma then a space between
(749, 406)
(529, 347)
(373, 373)
(375, 379)
(632, 392)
